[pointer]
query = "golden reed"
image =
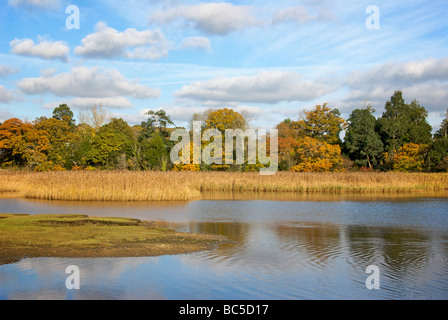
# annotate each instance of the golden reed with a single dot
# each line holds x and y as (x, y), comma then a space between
(184, 186)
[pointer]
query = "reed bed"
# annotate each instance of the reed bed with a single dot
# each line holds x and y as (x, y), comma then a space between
(185, 186)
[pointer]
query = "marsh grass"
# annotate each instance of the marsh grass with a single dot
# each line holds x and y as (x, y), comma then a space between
(83, 236)
(184, 186)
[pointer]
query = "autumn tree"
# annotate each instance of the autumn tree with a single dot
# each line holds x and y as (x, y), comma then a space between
(12, 132)
(410, 157)
(362, 142)
(287, 148)
(223, 119)
(323, 123)
(317, 156)
(60, 134)
(35, 146)
(220, 120)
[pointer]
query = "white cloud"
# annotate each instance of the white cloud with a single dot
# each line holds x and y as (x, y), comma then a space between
(35, 3)
(402, 73)
(424, 80)
(5, 114)
(6, 71)
(267, 87)
(45, 49)
(107, 42)
(298, 14)
(201, 43)
(86, 82)
(6, 96)
(82, 103)
(213, 18)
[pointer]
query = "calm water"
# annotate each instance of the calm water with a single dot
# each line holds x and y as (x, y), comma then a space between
(305, 247)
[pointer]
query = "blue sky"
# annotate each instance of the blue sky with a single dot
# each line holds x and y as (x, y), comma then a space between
(270, 59)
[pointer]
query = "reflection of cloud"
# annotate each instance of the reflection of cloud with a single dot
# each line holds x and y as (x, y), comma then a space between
(100, 279)
(42, 294)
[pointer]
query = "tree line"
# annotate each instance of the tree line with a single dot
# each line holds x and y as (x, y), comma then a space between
(400, 140)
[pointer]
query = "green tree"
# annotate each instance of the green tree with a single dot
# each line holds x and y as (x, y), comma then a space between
(82, 145)
(112, 145)
(403, 123)
(154, 144)
(438, 155)
(64, 113)
(438, 150)
(158, 121)
(362, 142)
(443, 131)
(155, 153)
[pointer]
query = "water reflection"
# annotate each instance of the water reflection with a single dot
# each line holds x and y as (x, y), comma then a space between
(276, 250)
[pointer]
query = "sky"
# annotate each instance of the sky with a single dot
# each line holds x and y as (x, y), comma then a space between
(271, 59)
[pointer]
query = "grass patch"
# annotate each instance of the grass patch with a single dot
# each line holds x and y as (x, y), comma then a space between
(80, 236)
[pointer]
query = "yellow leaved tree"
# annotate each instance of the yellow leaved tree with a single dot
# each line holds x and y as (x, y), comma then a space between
(317, 156)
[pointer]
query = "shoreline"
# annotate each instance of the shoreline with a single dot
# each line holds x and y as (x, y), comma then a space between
(79, 236)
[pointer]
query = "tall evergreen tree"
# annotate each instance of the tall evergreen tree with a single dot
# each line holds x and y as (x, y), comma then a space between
(64, 113)
(362, 142)
(443, 131)
(403, 123)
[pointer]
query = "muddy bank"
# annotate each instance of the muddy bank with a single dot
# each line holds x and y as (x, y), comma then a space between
(79, 236)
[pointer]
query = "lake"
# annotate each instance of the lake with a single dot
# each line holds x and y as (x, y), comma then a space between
(280, 247)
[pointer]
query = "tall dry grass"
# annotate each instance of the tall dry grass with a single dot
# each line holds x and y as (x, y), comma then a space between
(97, 186)
(183, 186)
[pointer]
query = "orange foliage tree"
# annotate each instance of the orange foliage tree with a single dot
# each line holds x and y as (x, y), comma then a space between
(410, 158)
(323, 123)
(12, 132)
(317, 156)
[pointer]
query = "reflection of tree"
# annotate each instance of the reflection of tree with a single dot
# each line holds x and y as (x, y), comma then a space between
(320, 241)
(236, 234)
(232, 231)
(404, 251)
